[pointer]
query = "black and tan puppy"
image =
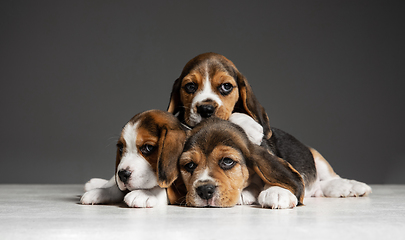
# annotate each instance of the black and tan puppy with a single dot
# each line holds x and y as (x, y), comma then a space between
(219, 164)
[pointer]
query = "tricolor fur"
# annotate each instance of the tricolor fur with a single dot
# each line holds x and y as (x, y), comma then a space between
(211, 85)
(149, 142)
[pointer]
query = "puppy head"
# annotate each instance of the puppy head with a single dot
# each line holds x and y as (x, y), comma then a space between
(149, 142)
(213, 164)
(218, 160)
(206, 87)
(211, 85)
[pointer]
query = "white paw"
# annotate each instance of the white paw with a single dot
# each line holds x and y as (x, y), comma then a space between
(109, 193)
(277, 198)
(340, 187)
(247, 197)
(252, 128)
(94, 183)
(140, 199)
(95, 196)
(146, 198)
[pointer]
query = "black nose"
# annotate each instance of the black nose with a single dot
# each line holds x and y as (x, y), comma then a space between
(206, 110)
(206, 191)
(124, 175)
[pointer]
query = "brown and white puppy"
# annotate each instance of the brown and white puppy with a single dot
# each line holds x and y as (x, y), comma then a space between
(219, 162)
(149, 142)
(211, 85)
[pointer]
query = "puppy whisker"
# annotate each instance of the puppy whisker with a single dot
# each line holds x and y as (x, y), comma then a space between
(183, 201)
(112, 140)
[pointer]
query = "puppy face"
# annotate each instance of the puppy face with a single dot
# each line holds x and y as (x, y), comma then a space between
(211, 85)
(207, 87)
(208, 91)
(149, 142)
(218, 160)
(213, 165)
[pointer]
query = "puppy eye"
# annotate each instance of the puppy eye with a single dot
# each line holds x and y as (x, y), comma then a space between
(120, 148)
(226, 163)
(191, 87)
(147, 149)
(225, 88)
(190, 167)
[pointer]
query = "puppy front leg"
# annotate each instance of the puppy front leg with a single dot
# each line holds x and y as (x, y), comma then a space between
(277, 198)
(253, 129)
(106, 194)
(146, 198)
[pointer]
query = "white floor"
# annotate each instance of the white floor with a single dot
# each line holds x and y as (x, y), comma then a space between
(53, 212)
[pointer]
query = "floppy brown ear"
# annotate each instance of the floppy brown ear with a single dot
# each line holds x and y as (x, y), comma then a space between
(171, 145)
(276, 171)
(177, 192)
(249, 104)
(175, 104)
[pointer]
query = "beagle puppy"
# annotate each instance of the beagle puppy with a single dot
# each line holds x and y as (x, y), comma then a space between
(219, 162)
(149, 142)
(221, 167)
(211, 85)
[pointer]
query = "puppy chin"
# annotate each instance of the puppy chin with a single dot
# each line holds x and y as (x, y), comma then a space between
(214, 202)
(198, 202)
(193, 119)
(137, 184)
(122, 187)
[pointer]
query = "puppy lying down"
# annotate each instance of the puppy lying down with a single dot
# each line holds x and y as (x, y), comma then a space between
(221, 167)
(149, 142)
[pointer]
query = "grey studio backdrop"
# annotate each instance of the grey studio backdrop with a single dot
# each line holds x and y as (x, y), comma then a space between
(74, 72)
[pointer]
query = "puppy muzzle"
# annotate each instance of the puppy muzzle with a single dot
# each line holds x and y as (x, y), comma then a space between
(124, 175)
(206, 192)
(206, 110)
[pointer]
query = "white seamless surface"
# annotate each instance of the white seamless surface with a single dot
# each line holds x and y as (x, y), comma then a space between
(54, 212)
